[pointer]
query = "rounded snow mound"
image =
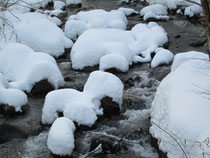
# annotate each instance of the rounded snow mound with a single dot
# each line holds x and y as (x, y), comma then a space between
(24, 67)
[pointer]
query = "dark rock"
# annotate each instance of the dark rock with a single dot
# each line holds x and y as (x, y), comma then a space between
(75, 5)
(113, 70)
(154, 144)
(110, 107)
(9, 111)
(177, 36)
(198, 43)
(41, 88)
(129, 83)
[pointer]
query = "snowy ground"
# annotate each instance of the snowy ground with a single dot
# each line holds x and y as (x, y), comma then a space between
(120, 135)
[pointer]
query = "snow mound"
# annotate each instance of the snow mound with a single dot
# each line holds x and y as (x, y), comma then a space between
(180, 98)
(128, 11)
(82, 107)
(58, 5)
(116, 61)
(162, 56)
(41, 34)
(70, 2)
(23, 67)
(10, 96)
(156, 11)
(60, 138)
(94, 19)
(188, 56)
(193, 10)
(93, 44)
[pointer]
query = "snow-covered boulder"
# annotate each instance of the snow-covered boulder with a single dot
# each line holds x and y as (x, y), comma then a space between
(156, 11)
(41, 34)
(60, 139)
(82, 107)
(94, 44)
(24, 68)
(193, 10)
(10, 96)
(58, 5)
(180, 110)
(187, 56)
(162, 56)
(98, 18)
(128, 11)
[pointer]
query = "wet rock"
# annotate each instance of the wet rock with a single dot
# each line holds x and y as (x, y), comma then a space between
(154, 143)
(129, 83)
(79, 5)
(109, 106)
(198, 43)
(177, 36)
(41, 88)
(9, 111)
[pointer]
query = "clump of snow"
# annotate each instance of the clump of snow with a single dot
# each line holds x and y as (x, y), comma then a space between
(128, 11)
(97, 18)
(10, 96)
(193, 10)
(70, 2)
(93, 44)
(188, 56)
(82, 107)
(41, 34)
(181, 108)
(156, 11)
(58, 5)
(116, 61)
(61, 137)
(162, 56)
(23, 67)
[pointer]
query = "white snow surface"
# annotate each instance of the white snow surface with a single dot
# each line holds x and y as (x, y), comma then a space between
(60, 139)
(23, 67)
(70, 2)
(128, 11)
(82, 107)
(93, 44)
(181, 107)
(58, 5)
(10, 96)
(97, 18)
(162, 56)
(41, 34)
(193, 10)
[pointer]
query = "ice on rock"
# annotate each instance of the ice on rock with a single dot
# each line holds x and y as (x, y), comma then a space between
(156, 11)
(97, 18)
(93, 44)
(181, 107)
(23, 67)
(10, 96)
(41, 34)
(162, 56)
(60, 139)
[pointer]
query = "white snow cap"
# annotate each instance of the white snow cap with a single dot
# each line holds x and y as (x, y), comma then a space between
(162, 56)
(24, 67)
(156, 11)
(41, 34)
(70, 2)
(128, 11)
(193, 10)
(61, 137)
(58, 5)
(181, 107)
(10, 96)
(93, 44)
(97, 18)
(82, 107)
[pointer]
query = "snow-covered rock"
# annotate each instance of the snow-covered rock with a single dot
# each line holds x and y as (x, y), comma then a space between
(41, 34)
(93, 44)
(61, 137)
(128, 11)
(180, 110)
(10, 96)
(72, 2)
(98, 18)
(23, 67)
(58, 5)
(162, 56)
(156, 11)
(82, 107)
(193, 10)
(187, 56)
(115, 60)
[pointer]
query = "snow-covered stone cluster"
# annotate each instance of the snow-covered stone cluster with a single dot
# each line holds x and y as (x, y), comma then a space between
(23, 67)
(79, 107)
(180, 111)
